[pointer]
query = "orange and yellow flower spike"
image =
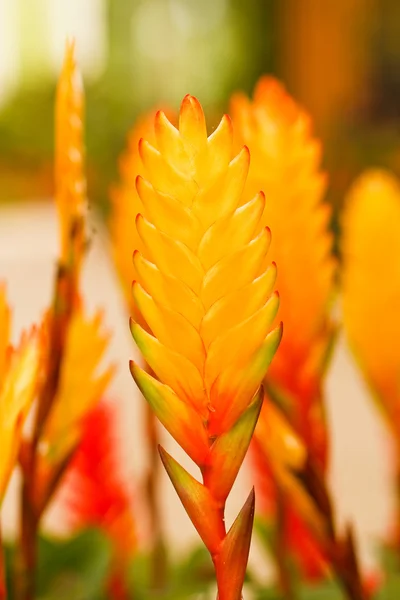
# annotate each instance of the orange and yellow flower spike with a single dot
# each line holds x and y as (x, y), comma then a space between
(371, 249)
(286, 165)
(206, 293)
(70, 182)
(19, 372)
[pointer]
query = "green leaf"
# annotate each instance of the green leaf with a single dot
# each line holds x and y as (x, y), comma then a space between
(326, 590)
(77, 568)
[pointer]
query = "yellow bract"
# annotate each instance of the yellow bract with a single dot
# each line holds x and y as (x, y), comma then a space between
(69, 170)
(82, 383)
(371, 284)
(286, 166)
(203, 286)
(19, 369)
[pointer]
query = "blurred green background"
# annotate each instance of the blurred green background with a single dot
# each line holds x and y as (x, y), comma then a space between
(339, 58)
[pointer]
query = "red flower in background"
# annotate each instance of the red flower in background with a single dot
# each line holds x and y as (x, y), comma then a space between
(97, 494)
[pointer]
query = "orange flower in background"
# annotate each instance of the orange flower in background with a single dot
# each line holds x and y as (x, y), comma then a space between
(286, 165)
(371, 285)
(206, 292)
(19, 372)
(70, 182)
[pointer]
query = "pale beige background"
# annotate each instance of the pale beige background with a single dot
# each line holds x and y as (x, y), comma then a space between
(360, 471)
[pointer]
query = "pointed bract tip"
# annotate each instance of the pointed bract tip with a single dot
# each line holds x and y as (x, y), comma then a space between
(192, 105)
(141, 143)
(138, 182)
(132, 368)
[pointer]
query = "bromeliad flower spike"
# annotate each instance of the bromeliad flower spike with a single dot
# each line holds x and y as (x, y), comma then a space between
(286, 165)
(205, 291)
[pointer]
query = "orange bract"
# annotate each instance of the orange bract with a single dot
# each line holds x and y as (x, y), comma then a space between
(371, 284)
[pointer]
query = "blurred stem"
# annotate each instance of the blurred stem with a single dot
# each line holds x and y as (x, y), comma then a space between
(3, 589)
(348, 573)
(26, 567)
(340, 551)
(159, 563)
(282, 557)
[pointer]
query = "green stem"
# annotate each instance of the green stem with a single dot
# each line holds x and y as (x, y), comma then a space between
(27, 560)
(281, 553)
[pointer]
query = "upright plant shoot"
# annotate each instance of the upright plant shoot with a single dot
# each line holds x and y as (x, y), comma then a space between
(204, 290)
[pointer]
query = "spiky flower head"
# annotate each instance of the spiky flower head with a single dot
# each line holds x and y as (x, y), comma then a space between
(205, 290)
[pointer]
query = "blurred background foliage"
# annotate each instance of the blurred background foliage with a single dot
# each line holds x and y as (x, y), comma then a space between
(339, 58)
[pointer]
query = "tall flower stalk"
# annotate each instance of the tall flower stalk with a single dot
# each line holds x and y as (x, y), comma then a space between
(286, 165)
(71, 382)
(204, 291)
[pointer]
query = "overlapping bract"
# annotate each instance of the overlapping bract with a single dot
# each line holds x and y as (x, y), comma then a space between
(286, 165)
(371, 285)
(205, 291)
(19, 374)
